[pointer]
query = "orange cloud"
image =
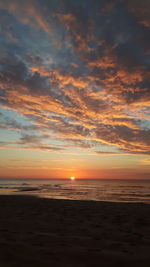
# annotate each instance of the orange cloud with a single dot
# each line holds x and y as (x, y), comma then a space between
(75, 28)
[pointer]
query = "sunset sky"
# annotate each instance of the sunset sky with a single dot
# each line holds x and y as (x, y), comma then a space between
(75, 88)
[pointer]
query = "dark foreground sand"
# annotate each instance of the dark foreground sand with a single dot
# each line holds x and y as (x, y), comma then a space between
(44, 232)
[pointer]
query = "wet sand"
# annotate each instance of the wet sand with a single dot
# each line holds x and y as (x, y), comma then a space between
(48, 232)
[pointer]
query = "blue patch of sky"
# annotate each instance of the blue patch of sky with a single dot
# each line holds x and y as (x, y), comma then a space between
(148, 111)
(15, 116)
(105, 148)
(9, 135)
(145, 124)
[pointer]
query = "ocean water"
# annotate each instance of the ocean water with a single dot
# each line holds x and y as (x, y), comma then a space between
(80, 189)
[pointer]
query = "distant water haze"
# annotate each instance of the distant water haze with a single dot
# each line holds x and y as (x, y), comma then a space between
(80, 189)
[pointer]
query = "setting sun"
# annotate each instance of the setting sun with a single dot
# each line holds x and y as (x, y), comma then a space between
(72, 178)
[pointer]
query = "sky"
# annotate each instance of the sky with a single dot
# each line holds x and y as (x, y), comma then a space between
(75, 89)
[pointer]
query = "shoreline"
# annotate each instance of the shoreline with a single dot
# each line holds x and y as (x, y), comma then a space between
(39, 196)
(37, 231)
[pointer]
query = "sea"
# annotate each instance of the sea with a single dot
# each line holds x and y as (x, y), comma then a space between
(110, 190)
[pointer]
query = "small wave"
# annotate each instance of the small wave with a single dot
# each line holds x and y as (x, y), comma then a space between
(57, 185)
(22, 189)
(131, 186)
(25, 184)
(8, 187)
(48, 186)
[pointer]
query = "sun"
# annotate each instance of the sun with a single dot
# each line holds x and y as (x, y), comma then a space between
(72, 178)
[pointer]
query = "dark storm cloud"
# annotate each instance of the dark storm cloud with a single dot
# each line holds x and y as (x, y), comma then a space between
(79, 69)
(15, 74)
(13, 71)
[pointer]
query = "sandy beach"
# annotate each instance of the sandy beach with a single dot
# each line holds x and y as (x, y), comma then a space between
(48, 232)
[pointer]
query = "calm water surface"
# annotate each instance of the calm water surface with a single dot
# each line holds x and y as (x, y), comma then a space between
(99, 190)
